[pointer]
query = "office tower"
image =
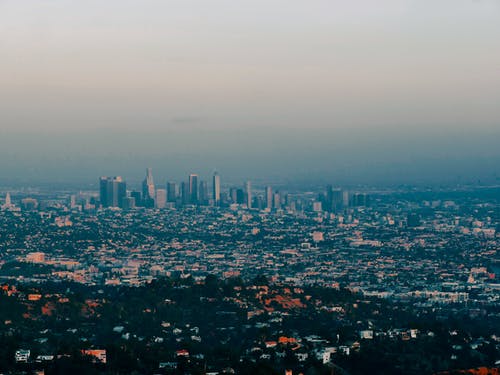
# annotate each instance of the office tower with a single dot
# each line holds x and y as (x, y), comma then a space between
(105, 191)
(185, 197)
(259, 202)
(333, 199)
(269, 198)
(354, 201)
(128, 203)
(328, 199)
(193, 188)
(137, 198)
(345, 198)
(216, 189)
(248, 194)
(359, 199)
(233, 195)
(161, 198)
(277, 200)
(112, 191)
(171, 191)
(336, 199)
(148, 189)
(119, 192)
(203, 193)
(240, 196)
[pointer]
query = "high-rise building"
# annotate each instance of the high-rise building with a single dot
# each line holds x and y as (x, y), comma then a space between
(345, 198)
(203, 193)
(240, 196)
(185, 197)
(148, 189)
(119, 192)
(193, 188)
(337, 199)
(333, 199)
(359, 199)
(137, 198)
(216, 189)
(233, 195)
(161, 198)
(248, 194)
(171, 191)
(128, 203)
(277, 200)
(105, 191)
(269, 198)
(327, 201)
(259, 202)
(112, 191)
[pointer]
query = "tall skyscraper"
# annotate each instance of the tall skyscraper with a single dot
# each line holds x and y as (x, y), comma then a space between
(185, 197)
(240, 196)
(148, 189)
(203, 193)
(113, 191)
(333, 199)
(216, 189)
(269, 198)
(359, 199)
(328, 199)
(137, 196)
(233, 195)
(171, 191)
(104, 191)
(161, 198)
(193, 188)
(345, 198)
(248, 194)
(277, 200)
(337, 199)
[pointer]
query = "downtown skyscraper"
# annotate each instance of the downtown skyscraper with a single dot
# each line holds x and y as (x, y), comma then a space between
(216, 189)
(148, 189)
(193, 188)
(171, 191)
(112, 191)
(248, 194)
(161, 198)
(269, 198)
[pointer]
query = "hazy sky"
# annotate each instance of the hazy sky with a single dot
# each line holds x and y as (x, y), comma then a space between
(354, 91)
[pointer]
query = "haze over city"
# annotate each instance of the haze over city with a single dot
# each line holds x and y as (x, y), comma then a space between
(356, 92)
(250, 187)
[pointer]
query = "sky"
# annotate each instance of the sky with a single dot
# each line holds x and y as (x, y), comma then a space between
(349, 92)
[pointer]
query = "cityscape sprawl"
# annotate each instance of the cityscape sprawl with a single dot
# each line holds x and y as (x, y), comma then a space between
(287, 280)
